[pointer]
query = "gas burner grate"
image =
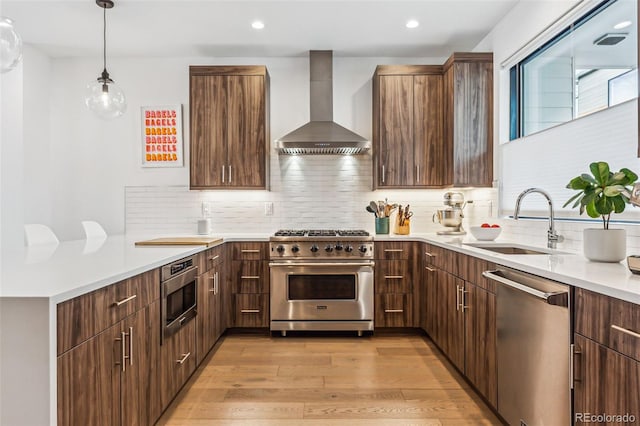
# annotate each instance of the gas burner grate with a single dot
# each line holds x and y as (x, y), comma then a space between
(322, 233)
(290, 233)
(353, 233)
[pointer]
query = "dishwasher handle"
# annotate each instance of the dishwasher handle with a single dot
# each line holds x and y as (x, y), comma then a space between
(559, 298)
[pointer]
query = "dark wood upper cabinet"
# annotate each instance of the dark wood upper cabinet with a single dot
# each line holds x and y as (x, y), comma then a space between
(433, 125)
(229, 127)
(468, 117)
(407, 127)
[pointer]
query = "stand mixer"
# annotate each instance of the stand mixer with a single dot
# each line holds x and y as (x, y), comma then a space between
(451, 217)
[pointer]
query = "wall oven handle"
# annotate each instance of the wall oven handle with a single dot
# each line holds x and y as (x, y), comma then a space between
(184, 358)
(281, 264)
(125, 300)
(558, 298)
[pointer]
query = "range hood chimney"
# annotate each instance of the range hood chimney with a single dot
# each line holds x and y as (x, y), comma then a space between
(322, 135)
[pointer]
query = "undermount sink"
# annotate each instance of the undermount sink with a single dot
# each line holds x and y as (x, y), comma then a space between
(513, 249)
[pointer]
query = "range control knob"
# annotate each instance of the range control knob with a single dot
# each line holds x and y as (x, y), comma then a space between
(314, 248)
(348, 249)
(339, 246)
(363, 249)
(328, 248)
(295, 249)
(280, 249)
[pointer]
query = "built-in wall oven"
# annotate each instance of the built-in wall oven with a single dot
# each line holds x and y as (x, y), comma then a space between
(321, 282)
(178, 295)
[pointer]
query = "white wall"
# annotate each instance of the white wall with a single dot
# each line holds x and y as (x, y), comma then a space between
(550, 158)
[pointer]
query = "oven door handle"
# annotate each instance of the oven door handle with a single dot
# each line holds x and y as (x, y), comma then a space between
(281, 264)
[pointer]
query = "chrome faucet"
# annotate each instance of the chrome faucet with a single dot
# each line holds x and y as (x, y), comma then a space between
(552, 237)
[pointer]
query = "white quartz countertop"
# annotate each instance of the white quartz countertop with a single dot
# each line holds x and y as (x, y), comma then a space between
(77, 267)
(611, 279)
(72, 268)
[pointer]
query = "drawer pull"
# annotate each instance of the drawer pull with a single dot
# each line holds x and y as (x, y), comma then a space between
(250, 277)
(249, 251)
(250, 311)
(212, 258)
(626, 331)
(184, 358)
(393, 311)
(393, 277)
(429, 269)
(429, 254)
(123, 301)
(393, 250)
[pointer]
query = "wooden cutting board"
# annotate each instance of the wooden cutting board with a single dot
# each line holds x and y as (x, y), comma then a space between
(180, 241)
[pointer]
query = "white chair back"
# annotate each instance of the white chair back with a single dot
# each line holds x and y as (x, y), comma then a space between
(38, 234)
(93, 229)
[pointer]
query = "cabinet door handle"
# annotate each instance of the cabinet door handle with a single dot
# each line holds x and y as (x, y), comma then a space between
(250, 311)
(393, 250)
(223, 173)
(393, 277)
(573, 352)
(393, 311)
(625, 331)
(213, 279)
(249, 251)
(184, 358)
(123, 349)
(457, 297)
(230, 173)
(216, 283)
(429, 269)
(125, 300)
(130, 345)
(383, 173)
(417, 173)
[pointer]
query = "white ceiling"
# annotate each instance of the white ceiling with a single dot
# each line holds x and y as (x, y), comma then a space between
(223, 27)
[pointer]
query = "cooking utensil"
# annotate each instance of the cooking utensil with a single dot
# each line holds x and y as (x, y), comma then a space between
(370, 210)
(374, 207)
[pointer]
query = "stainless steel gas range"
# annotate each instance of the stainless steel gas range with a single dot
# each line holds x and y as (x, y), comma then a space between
(321, 280)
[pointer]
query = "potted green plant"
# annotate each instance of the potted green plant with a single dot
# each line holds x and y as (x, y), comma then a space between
(602, 193)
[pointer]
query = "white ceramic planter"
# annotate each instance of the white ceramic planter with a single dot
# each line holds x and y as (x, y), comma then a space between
(605, 245)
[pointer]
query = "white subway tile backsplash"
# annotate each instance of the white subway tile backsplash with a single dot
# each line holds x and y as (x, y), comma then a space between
(306, 191)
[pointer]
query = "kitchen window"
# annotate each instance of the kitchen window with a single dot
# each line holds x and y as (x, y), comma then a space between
(587, 67)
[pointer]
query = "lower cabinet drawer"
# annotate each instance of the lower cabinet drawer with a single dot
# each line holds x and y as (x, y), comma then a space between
(252, 310)
(612, 322)
(393, 310)
(178, 361)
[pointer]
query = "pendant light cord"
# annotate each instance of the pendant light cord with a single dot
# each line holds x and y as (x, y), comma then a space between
(104, 37)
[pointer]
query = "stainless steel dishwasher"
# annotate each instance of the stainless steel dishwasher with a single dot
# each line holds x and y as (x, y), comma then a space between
(533, 349)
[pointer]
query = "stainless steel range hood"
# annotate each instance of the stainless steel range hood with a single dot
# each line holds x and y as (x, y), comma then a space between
(322, 135)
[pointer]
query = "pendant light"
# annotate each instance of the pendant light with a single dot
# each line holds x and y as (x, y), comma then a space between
(103, 97)
(10, 45)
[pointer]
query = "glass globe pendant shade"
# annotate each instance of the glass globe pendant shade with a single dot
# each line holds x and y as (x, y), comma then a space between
(10, 45)
(104, 98)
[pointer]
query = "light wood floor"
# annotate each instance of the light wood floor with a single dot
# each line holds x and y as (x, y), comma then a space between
(317, 380)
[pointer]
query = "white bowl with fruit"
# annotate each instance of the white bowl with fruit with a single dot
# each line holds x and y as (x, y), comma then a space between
(486, 232)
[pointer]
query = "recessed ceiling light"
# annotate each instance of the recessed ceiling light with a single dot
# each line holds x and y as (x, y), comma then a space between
(257, 25)
(621, 25)
(412, 23)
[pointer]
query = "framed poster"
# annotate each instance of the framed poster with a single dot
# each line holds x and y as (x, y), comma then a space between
(162, 136)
